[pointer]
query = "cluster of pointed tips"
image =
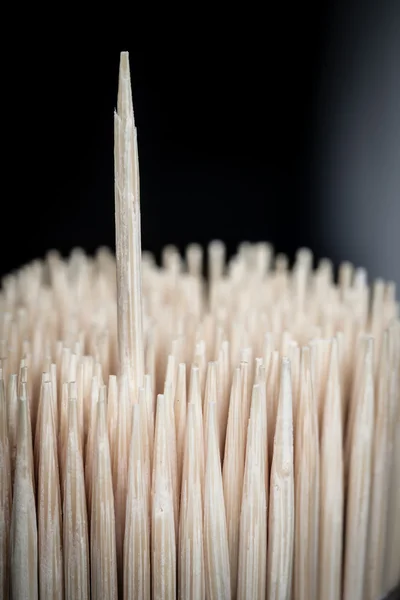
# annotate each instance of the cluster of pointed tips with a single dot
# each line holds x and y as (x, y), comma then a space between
(166, 437)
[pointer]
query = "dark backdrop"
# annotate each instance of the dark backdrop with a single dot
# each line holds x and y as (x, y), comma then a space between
(280, 125)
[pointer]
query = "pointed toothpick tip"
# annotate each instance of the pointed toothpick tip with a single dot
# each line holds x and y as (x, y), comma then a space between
(124, 102)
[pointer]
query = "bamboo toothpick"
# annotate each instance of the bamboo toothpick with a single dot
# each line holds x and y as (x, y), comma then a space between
(137, 532)
(392, 569)
(162, 517)
(307, 489)
(233, 469)
(24, 549)
(281, 507)
(216, 549)
(191, 583)
(331, 503)
(51, 580)
(5, 496)
(359, 484)
(120, 469)
(128, 236)
(103, 556)
(375, 555)
(252, 576)
(75, 522)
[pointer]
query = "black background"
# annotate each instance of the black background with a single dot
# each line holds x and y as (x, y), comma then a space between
(229, 109)
(233, 109)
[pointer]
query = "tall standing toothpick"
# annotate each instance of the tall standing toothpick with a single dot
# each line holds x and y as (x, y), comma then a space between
(128, 237)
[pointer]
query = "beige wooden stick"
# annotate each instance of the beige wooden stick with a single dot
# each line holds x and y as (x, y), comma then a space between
(5, 497)
(216, 550)
(112, 412)
(306, 487)
(359, 484)
(23, 395)
(374, 586)
(51, 580)
(147, 453)
(162, 517)
(180, 418)
(260, 380)
(91, 440)
(191, 584)
(75, 524)
(36, 444)
(195, 398)
(120, 469)
(392, 569)
(149, 393)
(128, 236)
(137, 540)
(281, 501)
(23, 548)
(332, 488)
(53, 379)
(103, 557)
(210, 396)
(223, 383)
(172, 452)
(232, 474)
(394, 547)
(12, 416)
(252, 578)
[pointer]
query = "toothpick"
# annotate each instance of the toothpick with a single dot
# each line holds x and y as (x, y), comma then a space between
(307, 488)
(162, 516)
(359, 484)
(75, 523)
(120, 469)
(191, 584)
(233, 469)
(12, 416)
(281, 502)
(180, 409)
(103, 557)
(23, 549)
(51, 580)
(379, 495)
(128, 236)
(136, 539)
(392, 570)
(5, 497)
(332, 488)
(216, 549)
(252, 578)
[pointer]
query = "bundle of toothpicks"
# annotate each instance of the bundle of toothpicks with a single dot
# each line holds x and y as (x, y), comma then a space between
(166, 436)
